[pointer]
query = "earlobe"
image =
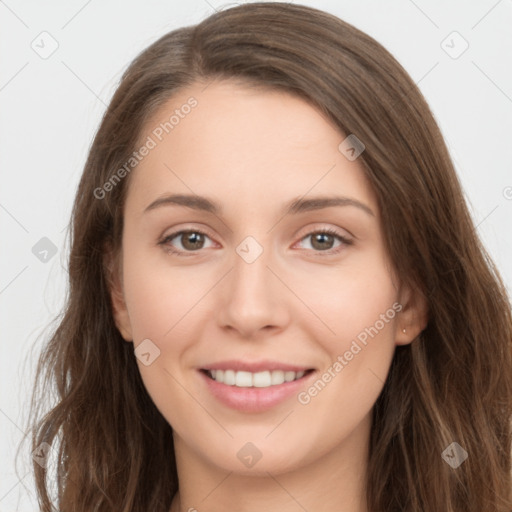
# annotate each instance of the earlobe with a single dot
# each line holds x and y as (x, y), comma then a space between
(413, 317)
(119, 309)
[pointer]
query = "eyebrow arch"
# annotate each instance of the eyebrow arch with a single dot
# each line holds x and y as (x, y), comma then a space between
(295, 206)
(190, 201)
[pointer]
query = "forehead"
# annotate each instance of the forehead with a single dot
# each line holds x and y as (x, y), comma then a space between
(247, 143)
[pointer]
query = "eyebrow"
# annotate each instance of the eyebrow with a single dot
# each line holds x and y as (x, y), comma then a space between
(298, 205)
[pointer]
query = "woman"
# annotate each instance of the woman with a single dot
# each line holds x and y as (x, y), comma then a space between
(277, 296)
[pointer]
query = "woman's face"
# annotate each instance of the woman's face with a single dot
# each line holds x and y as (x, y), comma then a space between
(253, 289)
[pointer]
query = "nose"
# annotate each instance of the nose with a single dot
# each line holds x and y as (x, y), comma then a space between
(253, 299)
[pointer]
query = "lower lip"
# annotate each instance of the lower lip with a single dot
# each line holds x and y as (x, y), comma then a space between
(254, 399)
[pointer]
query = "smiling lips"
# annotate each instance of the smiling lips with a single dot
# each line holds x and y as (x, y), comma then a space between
(254, 387)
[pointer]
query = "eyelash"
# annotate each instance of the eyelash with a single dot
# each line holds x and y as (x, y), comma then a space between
(326, 231)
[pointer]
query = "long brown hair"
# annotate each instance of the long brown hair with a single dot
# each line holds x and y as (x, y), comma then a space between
(451, 384)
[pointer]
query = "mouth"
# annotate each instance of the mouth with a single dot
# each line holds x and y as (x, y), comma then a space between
(260, 379)
(254, 386)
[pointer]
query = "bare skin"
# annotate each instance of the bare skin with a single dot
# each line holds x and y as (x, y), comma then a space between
(302, 301)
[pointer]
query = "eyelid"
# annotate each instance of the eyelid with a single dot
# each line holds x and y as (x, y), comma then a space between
(194, 228)
(319, 227)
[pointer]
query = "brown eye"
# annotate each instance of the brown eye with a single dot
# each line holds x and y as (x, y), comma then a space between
(185, 241)
(325, 240)
(192, 240)
(322, 241)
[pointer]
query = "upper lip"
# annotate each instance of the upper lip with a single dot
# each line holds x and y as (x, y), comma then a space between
(255, 366)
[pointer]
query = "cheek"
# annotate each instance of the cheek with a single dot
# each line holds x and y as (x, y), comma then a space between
(357, 309)
(160, 296)
(162, 300)
(348, 301)
(360, 307)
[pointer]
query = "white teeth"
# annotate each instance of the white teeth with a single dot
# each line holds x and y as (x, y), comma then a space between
(229, 377)
(277, 377)
(243, 379)
(289, 376)
(263, 379)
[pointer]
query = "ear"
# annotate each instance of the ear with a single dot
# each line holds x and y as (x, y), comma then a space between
(113, 269)
(413, 317)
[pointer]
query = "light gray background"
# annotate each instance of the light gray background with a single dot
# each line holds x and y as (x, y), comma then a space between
(50, 109)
